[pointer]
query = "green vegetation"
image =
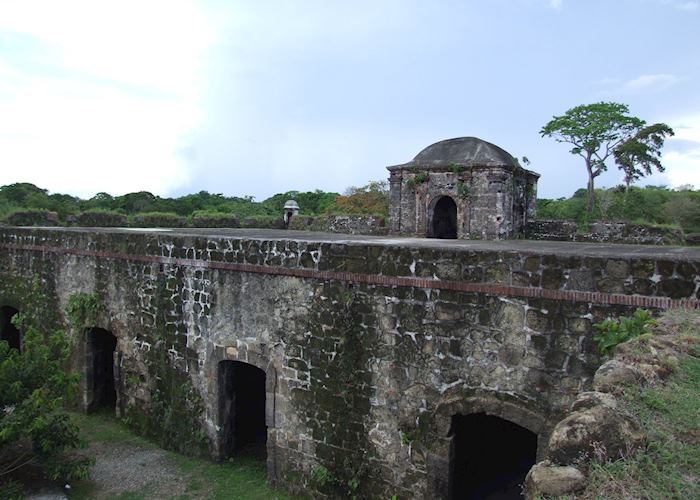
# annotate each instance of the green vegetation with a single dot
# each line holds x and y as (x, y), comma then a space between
(239, 478)
(82, 309)
(604, 130)
(612, 332)
(649, 205)
(35, 430)
(27, 204)
(667, 467)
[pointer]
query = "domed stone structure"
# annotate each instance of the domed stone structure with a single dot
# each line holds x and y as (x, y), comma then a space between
(461, 188)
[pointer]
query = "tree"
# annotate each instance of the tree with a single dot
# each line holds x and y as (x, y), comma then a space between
(372, 198)
(596, 131)
(34, 427)
(638, 155)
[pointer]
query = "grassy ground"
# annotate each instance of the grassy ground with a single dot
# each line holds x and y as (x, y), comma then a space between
(196, 478)
(668, 467)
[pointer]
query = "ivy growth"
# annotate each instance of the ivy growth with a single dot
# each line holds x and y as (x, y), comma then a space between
(462, 189)
(83, 309)
(418, 179)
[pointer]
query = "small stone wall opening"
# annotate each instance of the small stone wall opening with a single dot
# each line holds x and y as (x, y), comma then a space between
(444, 219)
(100, 351)
(242, 410)
(490, 457)
(9, 332)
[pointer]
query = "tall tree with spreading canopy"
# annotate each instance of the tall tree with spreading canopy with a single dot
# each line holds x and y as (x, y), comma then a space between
(639, 155)
(596, 131)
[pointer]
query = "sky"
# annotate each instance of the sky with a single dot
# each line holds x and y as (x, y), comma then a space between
(253, 98)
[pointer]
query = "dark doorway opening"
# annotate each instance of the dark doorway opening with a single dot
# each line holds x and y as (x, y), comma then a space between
(490, 457)
(9, 332)
(242, 409)
(101, 387)
(444, 222)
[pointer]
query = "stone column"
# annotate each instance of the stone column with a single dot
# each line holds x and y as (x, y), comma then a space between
(395, 201)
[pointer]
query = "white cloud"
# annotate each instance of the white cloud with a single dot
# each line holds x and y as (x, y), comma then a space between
(555, 4)
(641, 84)
(682, 159)
(122, 98)
(682, 5)
(651, 82)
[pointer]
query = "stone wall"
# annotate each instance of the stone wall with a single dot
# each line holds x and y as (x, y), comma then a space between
(344, 224)
(492, 202)
(603, 232)
(369, 348)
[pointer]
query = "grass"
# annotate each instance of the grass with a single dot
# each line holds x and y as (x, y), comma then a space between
(243, 478)
(668, 467)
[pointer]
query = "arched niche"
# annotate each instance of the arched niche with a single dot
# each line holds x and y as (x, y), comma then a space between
(241, 404)
(452, 426)
(101, 371)
(442, 218)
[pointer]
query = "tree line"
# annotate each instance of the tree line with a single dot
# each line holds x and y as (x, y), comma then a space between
(369, 199)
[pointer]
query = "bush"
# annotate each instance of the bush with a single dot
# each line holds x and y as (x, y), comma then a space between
(32, 218)
(33, 386)
(101, 218)
(613, 332)
(214, 219)
(158, 219)
(264, 222)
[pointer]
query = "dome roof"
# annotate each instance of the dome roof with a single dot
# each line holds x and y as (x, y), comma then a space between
(464, 150)
(468, 151)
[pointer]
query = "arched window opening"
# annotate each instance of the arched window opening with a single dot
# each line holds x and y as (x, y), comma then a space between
(444, 219)
(99, 353)
(9, 332)
(490, 457)
(242, 410)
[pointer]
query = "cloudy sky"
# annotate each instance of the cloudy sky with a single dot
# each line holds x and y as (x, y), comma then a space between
(259, 97)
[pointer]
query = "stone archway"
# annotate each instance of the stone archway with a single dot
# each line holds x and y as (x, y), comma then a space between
(242, 396)
(489, 457)
(442, 222)
(9, 332)
(455, 423)
(100, 370)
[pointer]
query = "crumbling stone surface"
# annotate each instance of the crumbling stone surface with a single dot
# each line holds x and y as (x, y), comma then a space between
(344, 224)
(602, 232)
(363, 376)
(599, 431)
(589, 399)
(615, 374)
(546, 479)
(494, 196)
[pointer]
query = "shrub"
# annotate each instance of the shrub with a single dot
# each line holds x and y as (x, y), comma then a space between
(33, 386)
(32, 218)
(264, 222)
(158, 219)
(214, 219)
(613, 332)
(100, 218)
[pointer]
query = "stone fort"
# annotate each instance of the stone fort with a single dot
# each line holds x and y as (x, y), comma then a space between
(393, 363)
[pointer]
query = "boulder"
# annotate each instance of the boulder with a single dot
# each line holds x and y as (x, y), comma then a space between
(615, 374)
(599, 431)
(545, 479)
(586, 400)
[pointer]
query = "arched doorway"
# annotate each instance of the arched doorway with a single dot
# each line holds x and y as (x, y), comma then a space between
(489, 457)
(9, 332)
(242, 409)
(443, 219)
(101, 388)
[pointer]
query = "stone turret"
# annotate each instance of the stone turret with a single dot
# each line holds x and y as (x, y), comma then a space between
(461, 188)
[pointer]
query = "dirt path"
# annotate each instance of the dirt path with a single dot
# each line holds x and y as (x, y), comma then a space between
(125, 469)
